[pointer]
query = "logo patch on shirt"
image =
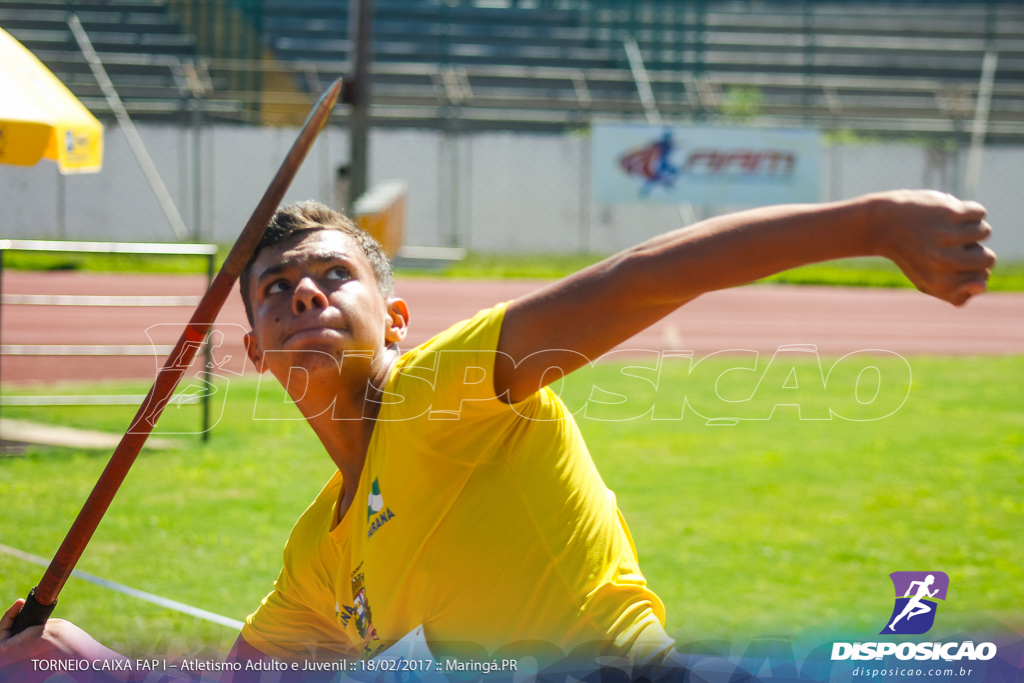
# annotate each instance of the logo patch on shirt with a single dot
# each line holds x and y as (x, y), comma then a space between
(375, 502)
(377, 514)
(361, 608)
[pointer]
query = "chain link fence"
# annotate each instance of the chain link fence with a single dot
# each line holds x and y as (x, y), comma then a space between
(485, 191)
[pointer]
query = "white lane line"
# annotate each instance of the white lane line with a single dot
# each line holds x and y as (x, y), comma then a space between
(141, 595)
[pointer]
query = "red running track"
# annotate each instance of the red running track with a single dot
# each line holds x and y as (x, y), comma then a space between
(836, 320)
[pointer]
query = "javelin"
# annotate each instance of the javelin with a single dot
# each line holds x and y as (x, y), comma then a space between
(43, 598)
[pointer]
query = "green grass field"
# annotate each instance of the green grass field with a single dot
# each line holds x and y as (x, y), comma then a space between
(780, 526)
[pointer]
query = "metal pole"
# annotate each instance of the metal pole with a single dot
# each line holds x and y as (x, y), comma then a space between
(442, 190)
(357, 91)
(466, 205)
(808, 71)
(700, 37)
(583, 241)
(973, 173)
(453, 196)
(62, 213)
(197, 183)
(208, 354)
(642, 80)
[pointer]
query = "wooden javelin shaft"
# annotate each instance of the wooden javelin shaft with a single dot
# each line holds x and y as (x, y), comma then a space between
(43, 597)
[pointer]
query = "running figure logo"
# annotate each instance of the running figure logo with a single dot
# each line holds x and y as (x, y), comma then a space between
(651, 164)
(916, 592)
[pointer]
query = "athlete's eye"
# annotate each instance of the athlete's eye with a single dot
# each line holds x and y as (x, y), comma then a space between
(276, 287)
(338, 273)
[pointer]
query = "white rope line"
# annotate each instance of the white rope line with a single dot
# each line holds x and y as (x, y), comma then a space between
(97, 300)
(90, 400)
(141, 595)
(85, 349)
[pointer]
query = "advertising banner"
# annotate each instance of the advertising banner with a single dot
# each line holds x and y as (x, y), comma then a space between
(705, 165)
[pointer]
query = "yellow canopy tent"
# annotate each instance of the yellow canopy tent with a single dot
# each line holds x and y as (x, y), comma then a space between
(40, 117)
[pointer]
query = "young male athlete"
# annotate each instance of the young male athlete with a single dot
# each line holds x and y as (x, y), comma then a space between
(465, 500)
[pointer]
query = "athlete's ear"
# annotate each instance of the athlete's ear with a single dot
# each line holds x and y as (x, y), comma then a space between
(397, 320)
(253, 350)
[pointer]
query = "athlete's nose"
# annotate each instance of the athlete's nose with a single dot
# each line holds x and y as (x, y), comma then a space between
(307, 295)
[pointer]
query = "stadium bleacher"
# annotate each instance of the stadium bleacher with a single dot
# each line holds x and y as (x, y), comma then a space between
(882, 67)
(887, 68)
(141, 43)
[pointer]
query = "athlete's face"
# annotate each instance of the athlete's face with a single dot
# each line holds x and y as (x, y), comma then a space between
(315, 300)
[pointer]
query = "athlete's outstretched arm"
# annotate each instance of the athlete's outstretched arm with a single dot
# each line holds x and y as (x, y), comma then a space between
(933, 238)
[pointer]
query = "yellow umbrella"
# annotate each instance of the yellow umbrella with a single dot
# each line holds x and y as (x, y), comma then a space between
(40, 117)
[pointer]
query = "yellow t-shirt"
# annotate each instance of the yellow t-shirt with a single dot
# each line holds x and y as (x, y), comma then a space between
(484, 522)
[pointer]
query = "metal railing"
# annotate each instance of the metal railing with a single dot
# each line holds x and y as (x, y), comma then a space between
(209, 251)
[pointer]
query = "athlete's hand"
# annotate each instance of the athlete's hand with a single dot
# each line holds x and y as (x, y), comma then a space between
(935, 240)
(56, 639)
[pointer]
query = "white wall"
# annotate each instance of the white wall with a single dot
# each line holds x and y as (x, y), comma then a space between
(491, 192)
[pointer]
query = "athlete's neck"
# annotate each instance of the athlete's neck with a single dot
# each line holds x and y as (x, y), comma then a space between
(346, 429)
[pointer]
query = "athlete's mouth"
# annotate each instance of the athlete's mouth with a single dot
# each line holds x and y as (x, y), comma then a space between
(313, 332)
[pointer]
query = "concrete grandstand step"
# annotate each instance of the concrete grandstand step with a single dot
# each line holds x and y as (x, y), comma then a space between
(58, 37)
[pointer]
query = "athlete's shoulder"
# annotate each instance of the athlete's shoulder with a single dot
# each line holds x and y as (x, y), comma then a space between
(479, 333)
(448, 377)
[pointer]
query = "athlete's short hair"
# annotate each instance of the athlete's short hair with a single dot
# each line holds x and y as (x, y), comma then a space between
(309, 216)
